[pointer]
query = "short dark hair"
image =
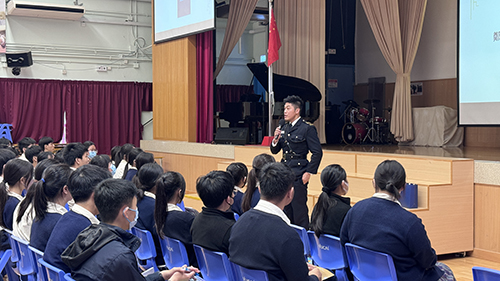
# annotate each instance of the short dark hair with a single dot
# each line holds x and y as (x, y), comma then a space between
(110, 196)
(32, 152)
(390, 176)
(5, 156)
(238, 171)
(4, 143)
(144, 158)
(25, 143)
(101, 160)
(88, 144)
(115, 152)
(83, 181)
(42, 165)
(45, 141)
(72, 151)
(44, 155)
(214, 188)
(296, 101)
(275, 180)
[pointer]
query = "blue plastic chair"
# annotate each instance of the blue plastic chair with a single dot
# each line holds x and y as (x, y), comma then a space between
(174, 252)
(52, 273)
(147, 251)
(26, 264)
(303, 236)
(214, 266)
(5, 131)
(15, 249)
(326, 252)
(367, 265)
(243, 273)
(485, 274)
(40, 272)
(67, 277)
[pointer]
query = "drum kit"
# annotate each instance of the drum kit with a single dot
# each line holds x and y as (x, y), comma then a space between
(360, 128)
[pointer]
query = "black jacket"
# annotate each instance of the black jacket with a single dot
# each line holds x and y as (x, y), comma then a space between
(105, 252)
(211, 229)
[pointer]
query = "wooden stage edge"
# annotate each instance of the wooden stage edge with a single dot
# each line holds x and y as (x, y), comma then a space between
(447, 178)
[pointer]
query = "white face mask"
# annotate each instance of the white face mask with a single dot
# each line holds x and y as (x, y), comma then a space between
(347, 186)
(134, 222)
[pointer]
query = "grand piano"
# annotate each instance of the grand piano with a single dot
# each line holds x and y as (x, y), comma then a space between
(251, 113)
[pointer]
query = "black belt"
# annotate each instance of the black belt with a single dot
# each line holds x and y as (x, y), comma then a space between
(289, 156)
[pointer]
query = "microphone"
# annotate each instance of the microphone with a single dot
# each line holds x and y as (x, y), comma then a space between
(281, 123)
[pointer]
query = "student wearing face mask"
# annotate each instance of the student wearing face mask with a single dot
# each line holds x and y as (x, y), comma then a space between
(211, 229)
(91, 148)
(331, 208)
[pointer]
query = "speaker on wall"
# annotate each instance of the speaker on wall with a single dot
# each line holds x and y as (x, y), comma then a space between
(231, 136)
(21, 59)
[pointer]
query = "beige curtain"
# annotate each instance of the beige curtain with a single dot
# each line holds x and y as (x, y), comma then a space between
(397, 26)
(301, 25)
(240, 12)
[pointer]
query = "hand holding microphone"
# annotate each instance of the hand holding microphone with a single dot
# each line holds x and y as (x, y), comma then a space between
(278, 132)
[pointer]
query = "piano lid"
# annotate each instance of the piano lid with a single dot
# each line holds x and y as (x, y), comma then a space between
(285, 86)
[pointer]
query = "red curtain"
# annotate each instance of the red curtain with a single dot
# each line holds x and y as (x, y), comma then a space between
(33, 107)
(230, 93)
(204, 87)
(107, 113)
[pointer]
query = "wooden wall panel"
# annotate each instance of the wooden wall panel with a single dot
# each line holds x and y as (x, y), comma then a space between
(174, 90)
(486, 222)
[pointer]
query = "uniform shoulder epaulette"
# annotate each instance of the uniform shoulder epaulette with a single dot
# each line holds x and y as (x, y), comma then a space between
(308, 123)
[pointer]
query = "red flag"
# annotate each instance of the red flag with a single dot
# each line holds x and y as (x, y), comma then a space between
(274, 41)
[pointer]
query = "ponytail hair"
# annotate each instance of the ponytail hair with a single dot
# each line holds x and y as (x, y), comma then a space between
(390, 176)
(146, 178)
(166, 187)
(331, 179)
(13, 172)
(54, 178)
(258, 163)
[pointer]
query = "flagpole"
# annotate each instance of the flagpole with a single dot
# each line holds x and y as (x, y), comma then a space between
(270, 100)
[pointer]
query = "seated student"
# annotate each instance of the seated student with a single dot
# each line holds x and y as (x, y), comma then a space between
(170, 220)
(262, 238)
(24, 144)
(31, 154)
(5, 156)
(50, 197)
(81, 185)
(146, 198)
(380, 224)
(24, 214)
(331, 208)
(75, 155)
(212, 227)
(17, 175)
(47, 144)
(105, 251)
(91, 148)
(115, 152)
(4, 143)
(252, 194)
(131, 170)
(44, 155)
(239, 172)
(121, 160)
(103, 161)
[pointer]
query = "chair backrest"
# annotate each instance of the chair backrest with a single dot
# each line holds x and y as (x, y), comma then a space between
(247, 274)
(52, 273)
(214, 266)
(26, 264)
(485, 274)
(174, 252)
(15, 249)
(147, 250)
(370, 265)
(4, 258)
(37, 254)
(326, 251)
(303, 236)
(67, 277)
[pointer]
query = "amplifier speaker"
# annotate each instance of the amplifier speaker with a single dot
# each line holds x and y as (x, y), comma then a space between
(231, 136)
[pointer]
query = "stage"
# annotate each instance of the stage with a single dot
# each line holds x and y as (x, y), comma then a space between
(458, 187)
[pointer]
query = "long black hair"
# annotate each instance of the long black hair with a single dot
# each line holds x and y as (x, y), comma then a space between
(146, 178)
(258, 163)
(13, 172)
(332, 177)
(166, 187)
(390, 176)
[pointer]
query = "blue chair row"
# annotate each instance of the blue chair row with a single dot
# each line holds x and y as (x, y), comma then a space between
(485, 274)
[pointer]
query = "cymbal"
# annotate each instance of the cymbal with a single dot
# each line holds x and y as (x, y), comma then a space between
(350, 102)
(370, 101)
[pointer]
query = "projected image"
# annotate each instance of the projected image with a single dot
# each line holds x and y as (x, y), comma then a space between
(178, 18)
(479, 62)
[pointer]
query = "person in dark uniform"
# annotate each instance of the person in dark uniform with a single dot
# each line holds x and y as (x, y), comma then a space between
(297, 137)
